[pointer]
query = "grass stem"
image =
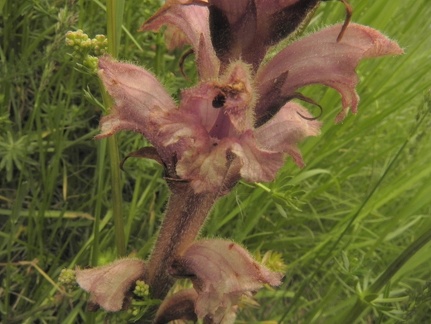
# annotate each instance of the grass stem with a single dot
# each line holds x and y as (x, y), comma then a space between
(114, 10)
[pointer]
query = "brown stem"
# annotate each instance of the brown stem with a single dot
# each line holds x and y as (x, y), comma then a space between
(185, 215)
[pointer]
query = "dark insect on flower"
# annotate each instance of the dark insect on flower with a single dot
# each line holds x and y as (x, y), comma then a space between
(219, 100)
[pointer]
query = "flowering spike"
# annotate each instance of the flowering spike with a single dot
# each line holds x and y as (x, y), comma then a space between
(238, 123)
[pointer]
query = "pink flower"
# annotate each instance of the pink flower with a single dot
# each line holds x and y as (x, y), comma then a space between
(221, 272)
(109, 284)
(239, 120)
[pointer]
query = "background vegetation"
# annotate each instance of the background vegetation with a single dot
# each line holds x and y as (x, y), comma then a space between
(352, 226)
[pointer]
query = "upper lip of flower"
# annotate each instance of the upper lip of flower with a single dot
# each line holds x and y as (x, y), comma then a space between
(240, 107)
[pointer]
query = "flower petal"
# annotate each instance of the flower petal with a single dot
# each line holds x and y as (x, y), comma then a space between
(140, 100)
(188, 22)
(257, 164)
(234, 113)
(108, 284)
(221, 271)
(142, 105)
(213, 167)
(206, 167)
(286, 129)
(319, 58)
(237, 85)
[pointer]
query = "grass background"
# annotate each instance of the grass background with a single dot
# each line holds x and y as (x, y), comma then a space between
(361, 203)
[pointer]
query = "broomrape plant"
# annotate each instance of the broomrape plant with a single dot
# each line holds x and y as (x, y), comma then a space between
(238, 122)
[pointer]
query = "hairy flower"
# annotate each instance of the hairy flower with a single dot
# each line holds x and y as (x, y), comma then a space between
(221, 272)
(239, 120)
(109, 284)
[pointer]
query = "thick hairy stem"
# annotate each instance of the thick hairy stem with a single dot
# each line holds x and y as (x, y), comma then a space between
(185, 215)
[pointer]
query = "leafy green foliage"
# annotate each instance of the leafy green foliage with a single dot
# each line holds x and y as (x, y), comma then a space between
(339, 223)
